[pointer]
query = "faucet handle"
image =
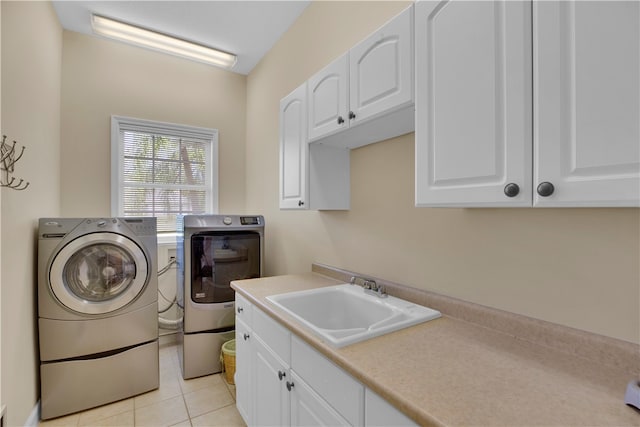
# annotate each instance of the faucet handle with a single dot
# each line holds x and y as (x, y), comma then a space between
(369, 285)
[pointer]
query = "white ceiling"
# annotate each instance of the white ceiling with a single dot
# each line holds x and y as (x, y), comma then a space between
(246, 28)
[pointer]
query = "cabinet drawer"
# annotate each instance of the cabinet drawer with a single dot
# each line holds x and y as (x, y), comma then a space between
(340, 390)
(243, 309)
(272, 333)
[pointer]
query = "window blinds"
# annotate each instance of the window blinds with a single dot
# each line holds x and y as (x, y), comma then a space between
(164, 172)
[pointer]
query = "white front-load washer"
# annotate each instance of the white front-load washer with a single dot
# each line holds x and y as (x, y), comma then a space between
(97, 311)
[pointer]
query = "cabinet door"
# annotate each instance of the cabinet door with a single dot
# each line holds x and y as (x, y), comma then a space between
(309, 409)
(242, 377)
(328, 95)
(381, 70)
(270, 403)
(378, 412)
(587, 102)
(293, 150)
(339, 389)
(473, 103)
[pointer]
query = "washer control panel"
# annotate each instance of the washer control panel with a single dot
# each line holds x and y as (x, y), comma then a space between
(142, 226)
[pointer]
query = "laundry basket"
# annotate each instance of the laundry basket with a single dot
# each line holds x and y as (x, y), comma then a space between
(229, 360)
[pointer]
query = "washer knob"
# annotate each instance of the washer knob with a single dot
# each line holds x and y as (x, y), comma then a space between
(227, 220)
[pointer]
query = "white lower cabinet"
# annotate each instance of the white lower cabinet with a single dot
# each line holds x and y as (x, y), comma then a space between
(282, 381)
(308, 408)
(242, 377)
(270, 395)
(337, 387)
(379, 413)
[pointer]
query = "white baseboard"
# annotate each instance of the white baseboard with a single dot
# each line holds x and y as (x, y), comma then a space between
(34, 417)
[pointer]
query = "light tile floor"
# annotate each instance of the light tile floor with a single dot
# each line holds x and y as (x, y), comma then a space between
(205, 401)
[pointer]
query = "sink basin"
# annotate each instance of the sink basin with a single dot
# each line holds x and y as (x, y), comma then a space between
(345, 314)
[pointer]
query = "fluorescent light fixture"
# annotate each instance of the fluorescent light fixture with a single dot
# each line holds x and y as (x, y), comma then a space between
(161, 42)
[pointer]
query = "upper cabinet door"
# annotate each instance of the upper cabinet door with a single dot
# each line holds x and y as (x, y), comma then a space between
(473, 103)
(587, 103)
(328, 95)
(381, 69)
(293, 150)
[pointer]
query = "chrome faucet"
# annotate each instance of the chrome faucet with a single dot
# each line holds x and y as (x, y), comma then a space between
(370, 286)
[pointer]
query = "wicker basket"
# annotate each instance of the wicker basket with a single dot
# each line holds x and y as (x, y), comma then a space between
(229, 360)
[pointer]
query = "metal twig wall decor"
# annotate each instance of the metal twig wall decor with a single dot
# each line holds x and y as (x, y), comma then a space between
(8, 160)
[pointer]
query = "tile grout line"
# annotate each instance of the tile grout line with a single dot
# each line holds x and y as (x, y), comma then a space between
(184, 400)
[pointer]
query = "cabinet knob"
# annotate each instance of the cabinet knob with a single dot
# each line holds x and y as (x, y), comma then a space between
(245, 336)
(281, 375)
(300, 203)
(352, 115)
(340, 120)
(545, 189)
(289, 385)
(511, 190)
(240, 310)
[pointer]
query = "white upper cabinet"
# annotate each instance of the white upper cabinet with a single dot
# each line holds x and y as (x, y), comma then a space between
(328, 99)
(373, 80)
(364, 96)
(293, 150)
(314, 177)
(381, 70)
(522, 103)
(473, 103)
(587, 103)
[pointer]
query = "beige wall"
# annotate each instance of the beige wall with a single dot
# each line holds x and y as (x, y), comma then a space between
(576, 267)
(31, 69)
(102, 77)
(1, 401)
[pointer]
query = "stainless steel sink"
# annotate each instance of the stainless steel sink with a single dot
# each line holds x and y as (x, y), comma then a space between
(345, 314)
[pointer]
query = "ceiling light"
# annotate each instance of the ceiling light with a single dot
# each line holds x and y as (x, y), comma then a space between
(161, 42)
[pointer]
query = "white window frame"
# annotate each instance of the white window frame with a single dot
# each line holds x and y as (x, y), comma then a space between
(142, 125)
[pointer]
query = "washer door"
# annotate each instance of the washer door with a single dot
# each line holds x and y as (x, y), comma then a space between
(98, 273)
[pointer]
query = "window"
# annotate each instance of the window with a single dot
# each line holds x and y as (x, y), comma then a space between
(162, 170)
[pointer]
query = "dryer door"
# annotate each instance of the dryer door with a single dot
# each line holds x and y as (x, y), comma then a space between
(98, 273)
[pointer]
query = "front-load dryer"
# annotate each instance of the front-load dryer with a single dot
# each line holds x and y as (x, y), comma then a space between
(212, 251)
(97, 311)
